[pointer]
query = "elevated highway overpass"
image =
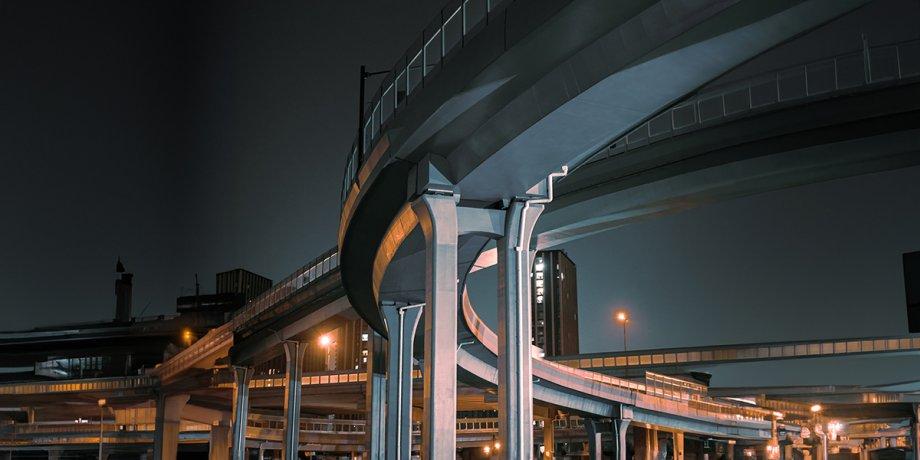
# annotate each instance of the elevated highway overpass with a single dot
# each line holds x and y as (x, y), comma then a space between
(460, 140)
(465, 162)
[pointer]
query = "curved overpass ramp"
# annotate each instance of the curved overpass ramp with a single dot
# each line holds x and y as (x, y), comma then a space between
(535, 91)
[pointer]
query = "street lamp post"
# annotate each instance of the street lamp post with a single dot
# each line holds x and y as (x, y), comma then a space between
(623, 318)
(101, 405)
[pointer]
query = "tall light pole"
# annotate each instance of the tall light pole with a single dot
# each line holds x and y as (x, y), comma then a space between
(623, 319)
(101, 405)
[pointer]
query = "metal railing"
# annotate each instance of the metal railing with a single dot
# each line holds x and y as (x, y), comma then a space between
(448, 32)
(818, 79)
(747, 352)
(302, 277)
(222, 336)
(656, 397)
(74, 386)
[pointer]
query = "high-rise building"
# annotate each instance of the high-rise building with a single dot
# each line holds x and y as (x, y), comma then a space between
(554, 292)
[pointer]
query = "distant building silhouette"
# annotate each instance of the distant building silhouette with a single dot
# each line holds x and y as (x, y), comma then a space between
(554, 292)
(912, 289)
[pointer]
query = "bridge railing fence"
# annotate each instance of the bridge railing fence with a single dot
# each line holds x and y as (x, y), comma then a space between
(448, 32)
(222, 335)
(872, 65)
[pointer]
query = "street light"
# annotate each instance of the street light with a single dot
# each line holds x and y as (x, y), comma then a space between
(101, 403)
(325, 341)
(623, 319)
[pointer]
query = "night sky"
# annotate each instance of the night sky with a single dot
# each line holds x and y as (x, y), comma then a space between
(197, 138)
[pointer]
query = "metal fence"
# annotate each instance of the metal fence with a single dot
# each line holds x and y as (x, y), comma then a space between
(447, 33)
(814, 80)
(749, 352)
(75, 386)
(222, 336)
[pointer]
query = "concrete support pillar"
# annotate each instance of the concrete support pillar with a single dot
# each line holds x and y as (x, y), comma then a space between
(678, 445)
(914, 433)
(549, 439)
(293, 353)
(730, 450)
(401, 322)
(375, 401)
(219, 447)
(619, 436)
(166, 436)
(595, 429)
(262, 451)
(241, 377)
(437, 216)
(515, 376)
(645, 442)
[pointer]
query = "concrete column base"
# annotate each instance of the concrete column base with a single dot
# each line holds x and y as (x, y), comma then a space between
(219, 447)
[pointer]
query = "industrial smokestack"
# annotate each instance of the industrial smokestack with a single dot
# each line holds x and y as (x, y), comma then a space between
(123, 287)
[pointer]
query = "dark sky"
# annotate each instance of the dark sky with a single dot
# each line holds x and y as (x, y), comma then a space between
(184, 136)
(202, 136)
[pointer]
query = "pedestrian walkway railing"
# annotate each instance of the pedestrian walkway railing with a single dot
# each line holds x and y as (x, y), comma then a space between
(665, 394)
(859, 70)
(222, 337)
(739, 353)
(457, 22)
(75, 386)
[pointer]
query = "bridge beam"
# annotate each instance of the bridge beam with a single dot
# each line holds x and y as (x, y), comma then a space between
(437, 216)
(166, 434)
(401, 322)
(241, 377)
(293, 353)
(515, 373)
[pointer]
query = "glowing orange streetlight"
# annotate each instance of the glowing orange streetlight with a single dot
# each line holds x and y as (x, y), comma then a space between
(623, 318)
(325, 341)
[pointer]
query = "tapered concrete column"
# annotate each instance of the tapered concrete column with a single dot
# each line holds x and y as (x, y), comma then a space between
(645, 443)
(515, 376)
(401, 322)
(914, 433)
(595, 430)
(375, 398)
(678, 446)
(619, 435)
(293, 353)
(241, 377)
(549, 439)
(219, 447)
(166, 436)
(437, 216)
